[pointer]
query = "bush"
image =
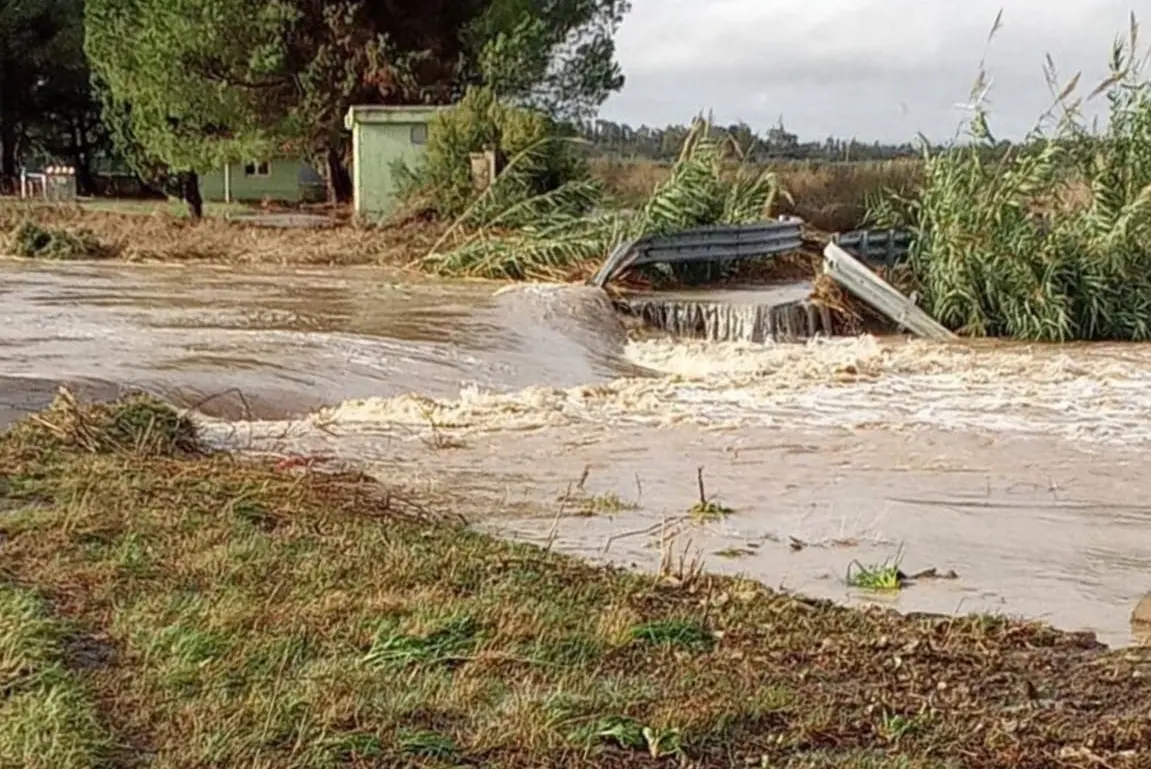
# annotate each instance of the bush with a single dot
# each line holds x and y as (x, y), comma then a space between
(1051, 242)
(540, 157)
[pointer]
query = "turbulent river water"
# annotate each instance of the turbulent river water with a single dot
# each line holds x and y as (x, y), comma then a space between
(1017, 467)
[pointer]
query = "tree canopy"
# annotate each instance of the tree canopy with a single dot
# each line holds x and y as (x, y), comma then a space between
(45, 102)
(558, 56)
(195, 83)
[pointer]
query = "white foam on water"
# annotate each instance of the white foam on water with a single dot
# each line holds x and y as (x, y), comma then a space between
(1080, 393)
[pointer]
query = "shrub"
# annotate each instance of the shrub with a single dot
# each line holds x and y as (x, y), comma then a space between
(701, 189)
(539, 154)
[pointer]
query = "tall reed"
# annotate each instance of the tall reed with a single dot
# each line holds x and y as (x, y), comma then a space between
(1051, 242)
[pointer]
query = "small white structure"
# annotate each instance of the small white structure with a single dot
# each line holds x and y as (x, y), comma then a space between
(55, 183)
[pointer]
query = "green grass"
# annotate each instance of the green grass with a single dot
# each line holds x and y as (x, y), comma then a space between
(166, 607)
(170, 206)
(883, 576)
(47, 716)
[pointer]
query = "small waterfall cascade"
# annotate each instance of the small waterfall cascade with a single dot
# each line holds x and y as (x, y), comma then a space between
(732, 316)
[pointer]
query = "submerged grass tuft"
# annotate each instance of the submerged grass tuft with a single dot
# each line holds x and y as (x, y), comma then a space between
(139, 424)
(884, 576)
(590, 505)
(706, 509)
(180, 610)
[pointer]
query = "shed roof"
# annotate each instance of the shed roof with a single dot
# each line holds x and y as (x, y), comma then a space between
(390, 113)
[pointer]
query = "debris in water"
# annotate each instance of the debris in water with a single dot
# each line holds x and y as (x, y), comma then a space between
(861, 281)
(706, 509)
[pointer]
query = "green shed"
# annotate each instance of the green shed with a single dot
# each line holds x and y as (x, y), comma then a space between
(290, 180)
(381, 135)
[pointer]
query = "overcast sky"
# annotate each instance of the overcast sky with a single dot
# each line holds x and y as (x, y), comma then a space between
(873, 69)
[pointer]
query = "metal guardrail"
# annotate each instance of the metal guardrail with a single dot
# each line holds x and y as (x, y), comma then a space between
(888, 247)
(704, 244)
(857, 278)
(745, 241)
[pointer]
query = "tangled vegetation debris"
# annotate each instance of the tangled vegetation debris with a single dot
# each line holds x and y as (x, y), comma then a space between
(31, 241)
(138, 423)
(189, 609)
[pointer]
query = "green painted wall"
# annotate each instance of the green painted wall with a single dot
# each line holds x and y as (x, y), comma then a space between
(380, 145)
(283, 182)
(382, 135)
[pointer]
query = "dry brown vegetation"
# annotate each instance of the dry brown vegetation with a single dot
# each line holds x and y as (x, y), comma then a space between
(164, 606)
(161, 236)
(832, 197)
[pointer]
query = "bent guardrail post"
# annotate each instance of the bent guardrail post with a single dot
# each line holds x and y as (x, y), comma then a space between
(853, 275)
(617, 260)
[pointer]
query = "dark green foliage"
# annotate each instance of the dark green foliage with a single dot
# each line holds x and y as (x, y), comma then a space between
(540, 159)
(556, 56)
(194, 84)
(46, 105)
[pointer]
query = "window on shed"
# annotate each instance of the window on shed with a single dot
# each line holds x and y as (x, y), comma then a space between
(419, 133)
(258, 168)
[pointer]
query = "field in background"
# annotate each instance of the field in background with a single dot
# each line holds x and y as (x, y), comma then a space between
(830, 196)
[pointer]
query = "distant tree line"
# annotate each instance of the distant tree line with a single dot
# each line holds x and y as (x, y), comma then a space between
(624, 142)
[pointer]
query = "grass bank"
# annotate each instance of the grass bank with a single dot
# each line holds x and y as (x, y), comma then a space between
(168, 607)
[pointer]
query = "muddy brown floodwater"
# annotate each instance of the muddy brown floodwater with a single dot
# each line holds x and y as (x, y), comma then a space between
(1017, 467)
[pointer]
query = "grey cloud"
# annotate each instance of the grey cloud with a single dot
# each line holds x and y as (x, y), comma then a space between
(875, 69)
